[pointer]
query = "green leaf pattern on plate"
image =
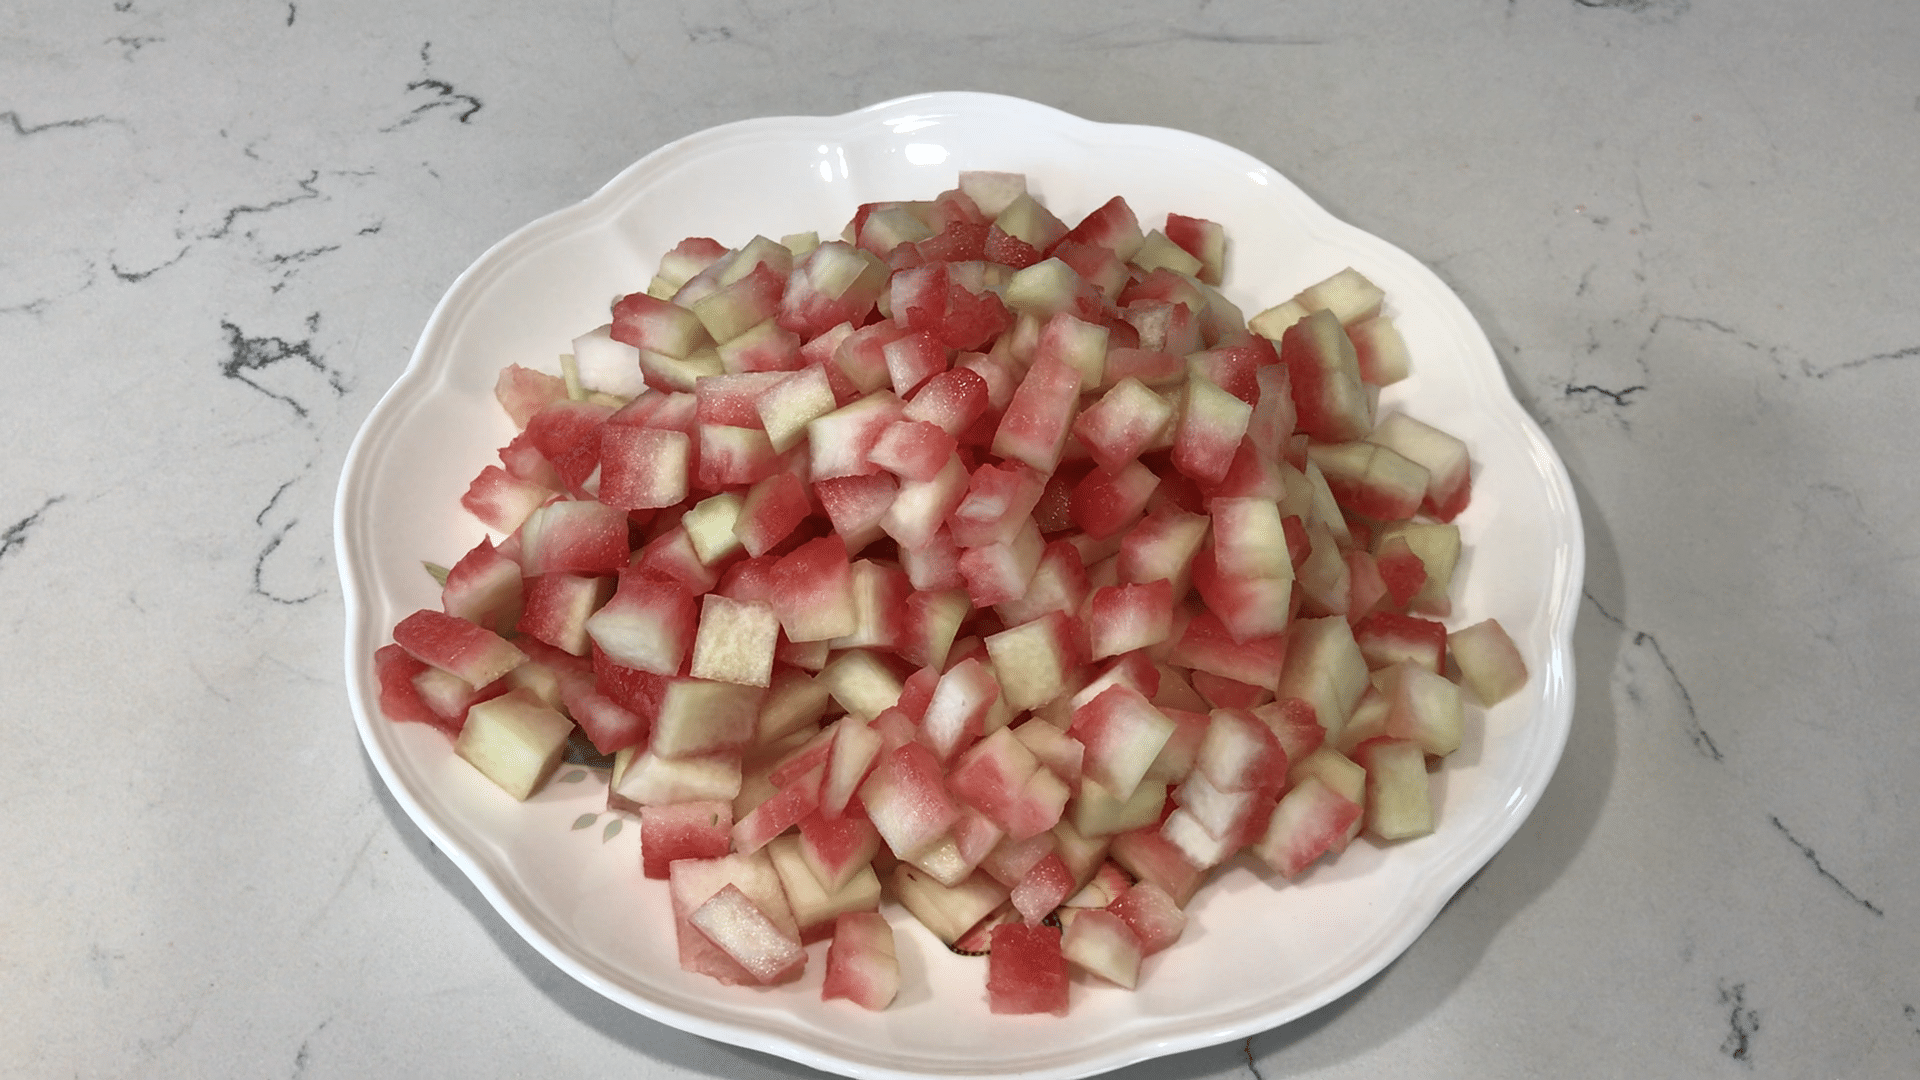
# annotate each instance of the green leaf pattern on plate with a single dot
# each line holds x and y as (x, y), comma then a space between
(585, 820)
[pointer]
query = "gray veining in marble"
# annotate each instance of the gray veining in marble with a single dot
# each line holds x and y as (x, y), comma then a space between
(1686, 225)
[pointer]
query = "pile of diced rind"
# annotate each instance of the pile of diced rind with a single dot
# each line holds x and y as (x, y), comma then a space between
(979, 562)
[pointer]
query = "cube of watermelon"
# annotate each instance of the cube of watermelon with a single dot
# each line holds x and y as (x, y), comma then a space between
(738, 307)
(813, 591)
(839, 442)
(880, 593)
(456, 646)
(764, 349)
(836, 849)
(1152, 915)
(1102, 943)
(1149, 857)
(580, 536)
(395, 668)
(999, 499)
(671, 557)
(836, 283)
(906, 798)
(1044, 888)
(1105, 503)
(609, 725)
(1123, 618)
(861, 964)
(1490, 663)
(951, 400)
(523, 392)
(1310, 820)
(1330, 401)
(697, 716)
(661, 326)
(1034, 660)
(956, 714)
(734, 923)
(786, 408)
(1204, 240)
(921, 506)
(690, 830)
(1207, 645)
(1123, 734)
(997, 573)
(735, 641)
(1113, 226)
(912, 450)
(1034, 427)
(786, 808)
(692, 882)
(1026, 971)
(503, 501)
(1126, 420)
(515, 741)
(647, 624)
(647, 779)
(558, 607)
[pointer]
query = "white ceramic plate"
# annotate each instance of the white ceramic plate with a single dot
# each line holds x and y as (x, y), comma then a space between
(1258, 952)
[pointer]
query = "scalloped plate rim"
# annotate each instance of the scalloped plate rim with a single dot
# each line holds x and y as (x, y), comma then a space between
(1445, 877)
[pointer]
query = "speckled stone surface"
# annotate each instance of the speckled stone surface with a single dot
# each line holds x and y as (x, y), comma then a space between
(1688, 229)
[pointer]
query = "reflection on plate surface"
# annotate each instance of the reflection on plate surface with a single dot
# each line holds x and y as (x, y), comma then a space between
(1258, 951)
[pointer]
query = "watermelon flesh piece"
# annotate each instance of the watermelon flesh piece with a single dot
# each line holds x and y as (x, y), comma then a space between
(992, 774)
(741, 930)
(787, 808)
(523, 392)
(951, 400)
(692, 882)
(647, 624)
(836, 849)
(1026, 972)
(1126, 421)
(1153, 916)
(861, 962)
(1489, 661)
(1113, 226)
(503, 501)
(1387, 637)
(456, 646)
(1123, 734)
(906, 798)
(1310, 821)
(610, 726)
(1102, 943)
(1044, 888)
(813, 591)
(395, 669)
(661, 326)
(574, 535)
(557, 606)
(1034, 427)
(1149, 857)
(690, 830)
(449, 696)
(644, 468)
(1130, 617)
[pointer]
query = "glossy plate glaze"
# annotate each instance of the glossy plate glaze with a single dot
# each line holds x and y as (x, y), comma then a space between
(1258, 951)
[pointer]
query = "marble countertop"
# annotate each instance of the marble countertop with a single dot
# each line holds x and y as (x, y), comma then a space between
(1687, 228)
